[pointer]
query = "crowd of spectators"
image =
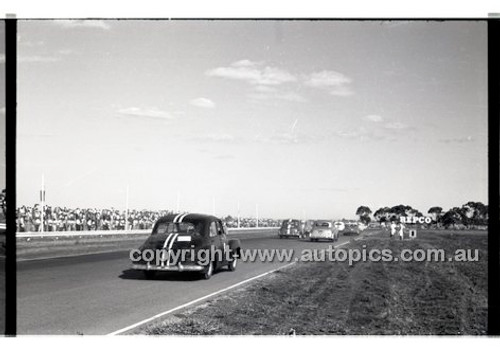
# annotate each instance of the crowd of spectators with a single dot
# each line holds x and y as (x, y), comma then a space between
(249, 222)
(29, 219)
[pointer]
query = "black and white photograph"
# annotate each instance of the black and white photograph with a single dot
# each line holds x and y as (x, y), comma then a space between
(252, 177)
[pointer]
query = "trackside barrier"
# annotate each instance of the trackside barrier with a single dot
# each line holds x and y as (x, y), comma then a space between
(119, 232)
(33, 246)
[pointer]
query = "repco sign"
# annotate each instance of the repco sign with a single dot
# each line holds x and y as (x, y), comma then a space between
(415, 220)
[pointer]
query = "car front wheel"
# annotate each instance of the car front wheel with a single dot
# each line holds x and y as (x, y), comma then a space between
(209, 271)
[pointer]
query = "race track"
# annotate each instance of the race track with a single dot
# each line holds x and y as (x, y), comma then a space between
(98, 294)
(2, 295)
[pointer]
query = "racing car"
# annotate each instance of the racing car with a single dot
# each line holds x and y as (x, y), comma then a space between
(351, 228)
(323, 230)
(187, 242)
(291, 228)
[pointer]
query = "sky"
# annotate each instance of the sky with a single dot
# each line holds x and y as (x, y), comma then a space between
(306, 119)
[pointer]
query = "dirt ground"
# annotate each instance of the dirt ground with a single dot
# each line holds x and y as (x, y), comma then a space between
(367, 298)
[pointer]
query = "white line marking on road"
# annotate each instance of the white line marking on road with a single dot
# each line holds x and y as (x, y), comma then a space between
(128, 328)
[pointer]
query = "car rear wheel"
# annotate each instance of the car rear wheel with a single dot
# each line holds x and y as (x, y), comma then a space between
(232, 264)
(209, 271)
(149, 274)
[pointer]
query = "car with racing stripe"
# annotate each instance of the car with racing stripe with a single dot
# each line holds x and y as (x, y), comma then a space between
(324, 230)
(187, 242)
(291, 228)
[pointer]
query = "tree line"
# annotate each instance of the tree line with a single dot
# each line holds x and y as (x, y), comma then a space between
(470, 214)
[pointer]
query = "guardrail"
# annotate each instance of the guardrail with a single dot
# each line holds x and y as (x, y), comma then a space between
(115, 232)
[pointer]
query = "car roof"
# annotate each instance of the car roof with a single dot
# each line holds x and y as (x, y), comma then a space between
(188, 217)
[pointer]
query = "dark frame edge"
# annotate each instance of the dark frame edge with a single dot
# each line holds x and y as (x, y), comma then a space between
(10, 177)
(493, 177)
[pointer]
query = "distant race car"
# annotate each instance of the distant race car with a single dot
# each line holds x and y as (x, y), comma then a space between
(187, 242)
(291, 228)
(339, 225)
(351, 228)
(323, 230)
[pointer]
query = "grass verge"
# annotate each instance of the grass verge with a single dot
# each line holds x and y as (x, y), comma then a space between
(368, 298)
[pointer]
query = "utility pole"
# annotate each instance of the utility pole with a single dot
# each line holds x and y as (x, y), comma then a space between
(178, 202)
(257, 214)
(42, 201)
(126, 211)
(238, 213)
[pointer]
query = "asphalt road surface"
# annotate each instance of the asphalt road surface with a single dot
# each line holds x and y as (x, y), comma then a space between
(2, 295)
(99, 294)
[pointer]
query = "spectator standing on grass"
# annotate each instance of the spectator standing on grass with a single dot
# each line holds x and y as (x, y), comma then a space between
(37, 218)
(393, 229)
(401, 230)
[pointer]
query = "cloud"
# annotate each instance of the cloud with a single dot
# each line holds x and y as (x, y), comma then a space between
(396, 125)
(290, 138)
(458, 140)
(38, 59)
(2, 58)
(362, 133)
(65, 51)
(2, 110)
(254, 73)
(246, 63)
(341, 91)
(265, 89)
(267, 82)
(82, 24)
(215, 137)
(152, 113)
(202, 103)
(326, 79)
(334, 82)
(287, 96)
(373, 118)
(219, 137)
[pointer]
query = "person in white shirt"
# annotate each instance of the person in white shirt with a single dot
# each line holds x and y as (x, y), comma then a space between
(393, 229)
(401, 230)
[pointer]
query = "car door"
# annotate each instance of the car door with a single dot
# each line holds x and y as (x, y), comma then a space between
(223, 239)
(216, 242)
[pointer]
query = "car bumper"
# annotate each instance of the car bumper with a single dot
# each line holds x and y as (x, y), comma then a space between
(321, 236)
(290, 234)
(177, 268)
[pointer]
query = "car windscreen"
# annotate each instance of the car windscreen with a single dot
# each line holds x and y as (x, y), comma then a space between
(181, 228)
(163, 229)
